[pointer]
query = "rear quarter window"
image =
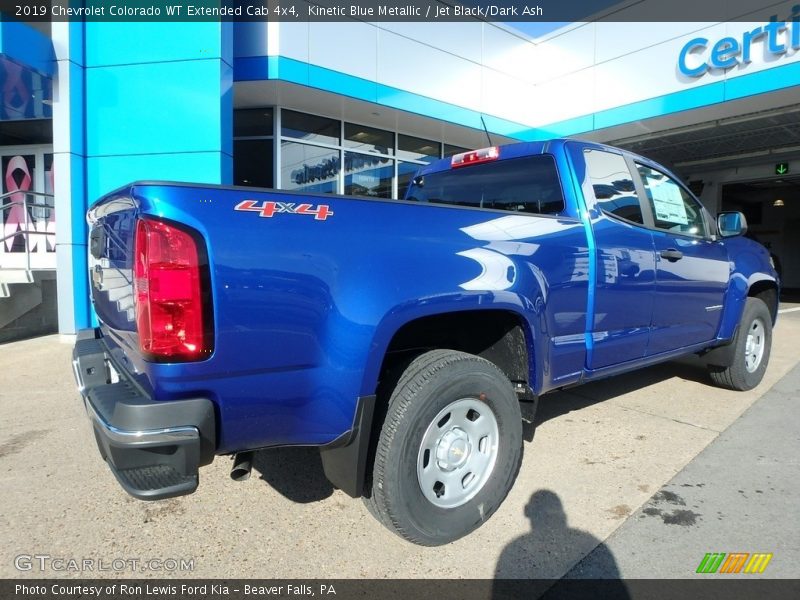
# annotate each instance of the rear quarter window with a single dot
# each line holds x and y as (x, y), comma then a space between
(613, 187)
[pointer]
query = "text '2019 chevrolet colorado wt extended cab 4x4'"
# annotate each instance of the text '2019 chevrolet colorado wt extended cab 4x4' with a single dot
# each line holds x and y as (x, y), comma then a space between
(404, 338)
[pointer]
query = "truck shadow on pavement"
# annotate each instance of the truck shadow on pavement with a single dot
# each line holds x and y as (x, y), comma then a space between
(529, 564)
(559, 403)
(295, 473)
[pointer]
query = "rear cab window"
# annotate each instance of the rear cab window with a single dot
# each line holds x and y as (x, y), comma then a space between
(528, 184)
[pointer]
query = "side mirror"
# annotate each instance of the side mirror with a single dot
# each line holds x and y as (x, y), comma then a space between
(730, 224)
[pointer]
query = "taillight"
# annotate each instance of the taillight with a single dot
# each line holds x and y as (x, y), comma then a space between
(171, 309)
(474, 157)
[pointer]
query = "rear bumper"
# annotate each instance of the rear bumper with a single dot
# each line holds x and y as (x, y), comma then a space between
(154, 448)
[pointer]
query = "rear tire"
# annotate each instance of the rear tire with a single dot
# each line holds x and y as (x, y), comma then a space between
(449, 449)
(752, 346)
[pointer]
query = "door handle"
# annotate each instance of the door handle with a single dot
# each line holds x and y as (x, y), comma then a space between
(671, 254)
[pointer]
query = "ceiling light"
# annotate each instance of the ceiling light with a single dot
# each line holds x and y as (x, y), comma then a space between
(778, 203)
(364, 136)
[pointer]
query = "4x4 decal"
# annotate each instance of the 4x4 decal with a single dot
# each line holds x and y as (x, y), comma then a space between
(269, 209)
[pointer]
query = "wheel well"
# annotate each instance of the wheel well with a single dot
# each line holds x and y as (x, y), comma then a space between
(766, 291)
(496, 335)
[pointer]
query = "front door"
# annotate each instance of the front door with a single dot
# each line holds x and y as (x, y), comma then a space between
(692, 270)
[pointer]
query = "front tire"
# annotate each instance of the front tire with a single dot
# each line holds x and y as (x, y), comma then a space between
(751, 349)
(449, 449)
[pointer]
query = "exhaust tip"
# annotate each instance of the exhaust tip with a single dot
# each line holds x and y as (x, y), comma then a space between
(242, 466)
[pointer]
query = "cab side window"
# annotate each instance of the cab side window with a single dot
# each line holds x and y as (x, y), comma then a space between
(613, 185)
(674, 209)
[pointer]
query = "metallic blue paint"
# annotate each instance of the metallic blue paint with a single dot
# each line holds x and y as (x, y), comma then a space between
(623, 270)
(575, 167)
(749, 265)
(305, 309)
(699, 280)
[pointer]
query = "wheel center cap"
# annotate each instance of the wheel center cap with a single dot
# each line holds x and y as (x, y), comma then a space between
(453, 449)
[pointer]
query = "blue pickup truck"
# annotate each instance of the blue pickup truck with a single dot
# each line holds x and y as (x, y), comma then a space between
(404, 338)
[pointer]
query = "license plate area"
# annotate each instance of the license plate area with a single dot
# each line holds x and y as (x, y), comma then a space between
(111, 371)
(91, 366)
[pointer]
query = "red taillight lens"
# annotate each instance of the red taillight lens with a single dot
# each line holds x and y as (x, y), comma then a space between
(170, 311)
(474, 157)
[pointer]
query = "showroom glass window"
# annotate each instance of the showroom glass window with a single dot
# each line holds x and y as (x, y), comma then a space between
(313, 162)
(450, 150)
(413, 152)
(674, 209)
(309, 168)
(253, 147)
(310, 128)
(319, 154)
(613, 185)
(368, 168)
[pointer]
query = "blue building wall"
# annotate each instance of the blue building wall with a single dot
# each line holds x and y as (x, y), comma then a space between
(136, 101)
(69, 162)
(160, 105)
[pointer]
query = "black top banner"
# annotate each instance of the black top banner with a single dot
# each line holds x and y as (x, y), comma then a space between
(545, 11)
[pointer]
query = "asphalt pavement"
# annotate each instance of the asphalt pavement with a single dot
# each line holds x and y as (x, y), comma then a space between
(739, 495)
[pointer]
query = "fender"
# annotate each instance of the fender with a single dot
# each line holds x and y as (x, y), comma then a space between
(751, 268)
(409, 312)
(345, 460)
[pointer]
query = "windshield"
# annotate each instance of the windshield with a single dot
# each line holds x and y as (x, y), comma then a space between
(529, 184)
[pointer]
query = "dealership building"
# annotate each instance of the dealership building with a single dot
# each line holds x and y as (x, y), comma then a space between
(355, 107)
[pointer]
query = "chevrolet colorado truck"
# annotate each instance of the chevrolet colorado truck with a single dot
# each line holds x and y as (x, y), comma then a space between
(405, 338)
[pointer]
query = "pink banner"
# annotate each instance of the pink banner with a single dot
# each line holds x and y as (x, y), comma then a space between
(15, 219)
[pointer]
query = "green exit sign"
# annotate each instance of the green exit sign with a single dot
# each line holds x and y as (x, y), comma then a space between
(782, 168)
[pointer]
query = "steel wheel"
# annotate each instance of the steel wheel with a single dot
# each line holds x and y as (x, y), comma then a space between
(458, 453)
(449, 449)
(744, 368)
(754, 346)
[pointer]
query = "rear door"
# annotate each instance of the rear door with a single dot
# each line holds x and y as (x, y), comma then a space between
(625, 263)
(692, 269)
